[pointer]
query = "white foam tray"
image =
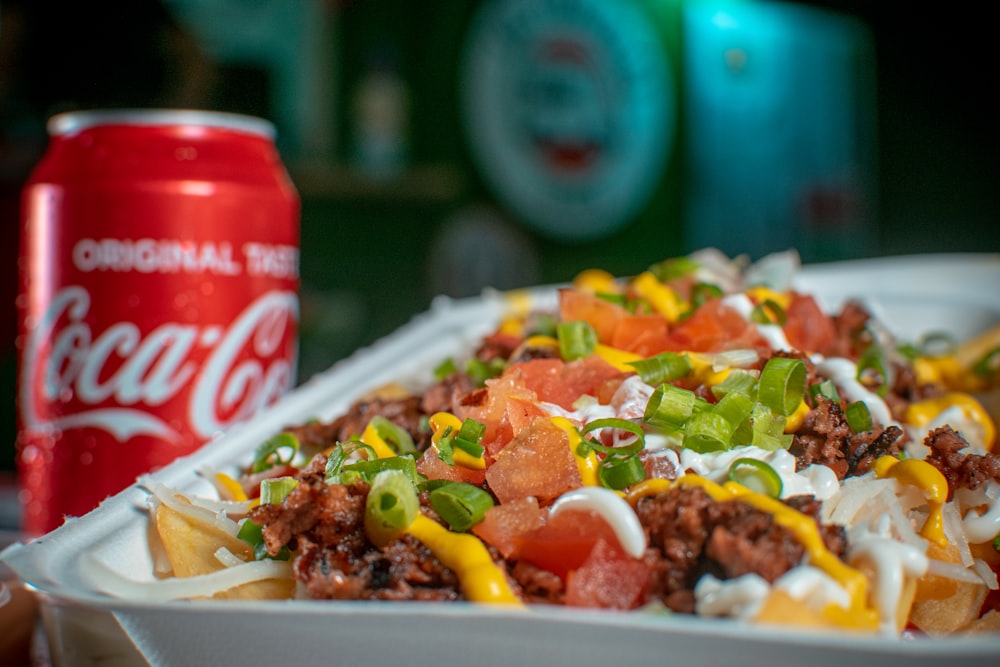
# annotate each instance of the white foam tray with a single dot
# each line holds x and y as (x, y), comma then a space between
(915, 294)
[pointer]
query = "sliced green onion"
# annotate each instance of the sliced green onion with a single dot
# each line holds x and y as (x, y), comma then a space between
(466, 439)
(268, 454)
(675, 267)
(996, 542)
(735, 407)
(616, 423)
(757, 476)
(763, 429)
(738, 380)
(874, 362)
(663, 367)
(543, 324)
(444, 449)
(274, 491)
(391, 506)
(368, 470)
(859, 417)
(707, 431)
(445, 368)
(769, 311)
(577, 339)
(702, 292)
(782, 384)
(469, 437)
(461, 505)
(988, 364)
(620, 472)
(826, 388)
(342, 451)
(393, 435)
(253, 534)
(937, 344)
(480, 371)
(617, 299)
(669, 407)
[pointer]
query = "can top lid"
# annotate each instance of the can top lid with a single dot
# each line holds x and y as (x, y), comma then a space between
(72, 122)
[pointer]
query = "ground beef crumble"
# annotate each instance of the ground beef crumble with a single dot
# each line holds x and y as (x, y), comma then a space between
(961, 470)
(826, 438)
(691, 535)
(324, 525)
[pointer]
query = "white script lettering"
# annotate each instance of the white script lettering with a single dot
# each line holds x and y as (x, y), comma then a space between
(65, 362)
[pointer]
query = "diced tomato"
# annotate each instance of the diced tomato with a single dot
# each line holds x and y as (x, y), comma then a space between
(715, 327)
(608, 579)
(576, 305)
(503, 524)
(537, 462)
(431, 466)
(808, 328)
(565, 542)
(645, 335)
(556, 381)
(503, 393)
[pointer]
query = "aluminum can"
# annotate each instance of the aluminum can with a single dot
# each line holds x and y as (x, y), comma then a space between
(158, 298)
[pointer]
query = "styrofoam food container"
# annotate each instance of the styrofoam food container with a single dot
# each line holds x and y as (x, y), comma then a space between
(914, 294)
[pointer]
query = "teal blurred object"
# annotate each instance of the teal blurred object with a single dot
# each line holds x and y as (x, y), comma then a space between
(780, 132)
(532, 139)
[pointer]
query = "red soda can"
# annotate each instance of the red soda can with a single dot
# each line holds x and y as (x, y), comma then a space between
(158, 297)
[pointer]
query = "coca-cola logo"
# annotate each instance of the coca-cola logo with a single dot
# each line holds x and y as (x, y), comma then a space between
(115, 379)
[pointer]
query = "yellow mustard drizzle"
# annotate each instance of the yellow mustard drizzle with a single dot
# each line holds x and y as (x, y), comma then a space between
(596, 281)
(539, 341)
(761, 294)
(859, 615)
(794, 422)
(702, 371)
(922, 413)
(371, 438)
(617, 358)
(232, 487)
(481, 579)
(663, 299)
(587, 465)
(439, 422)
(928, 479)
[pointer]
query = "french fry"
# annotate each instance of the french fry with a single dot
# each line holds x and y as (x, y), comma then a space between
(934, 586)
(950, 614)
(191, 545)
(782, 609)
(989, 622)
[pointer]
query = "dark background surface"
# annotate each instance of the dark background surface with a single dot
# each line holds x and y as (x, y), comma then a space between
(939, 140)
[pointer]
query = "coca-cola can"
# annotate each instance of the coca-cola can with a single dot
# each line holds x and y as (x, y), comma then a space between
(158, 297)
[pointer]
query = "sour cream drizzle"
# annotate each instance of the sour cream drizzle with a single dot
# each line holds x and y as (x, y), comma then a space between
(892, 561)
(742, 597)
(844, 374)
(982, 526)
(816, 480)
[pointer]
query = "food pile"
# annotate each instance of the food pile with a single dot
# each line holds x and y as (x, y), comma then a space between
(700, 438)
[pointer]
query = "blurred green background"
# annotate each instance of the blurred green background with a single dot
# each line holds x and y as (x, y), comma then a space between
(444, 146)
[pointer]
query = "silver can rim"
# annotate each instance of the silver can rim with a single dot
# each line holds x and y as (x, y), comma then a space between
(73, 122)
